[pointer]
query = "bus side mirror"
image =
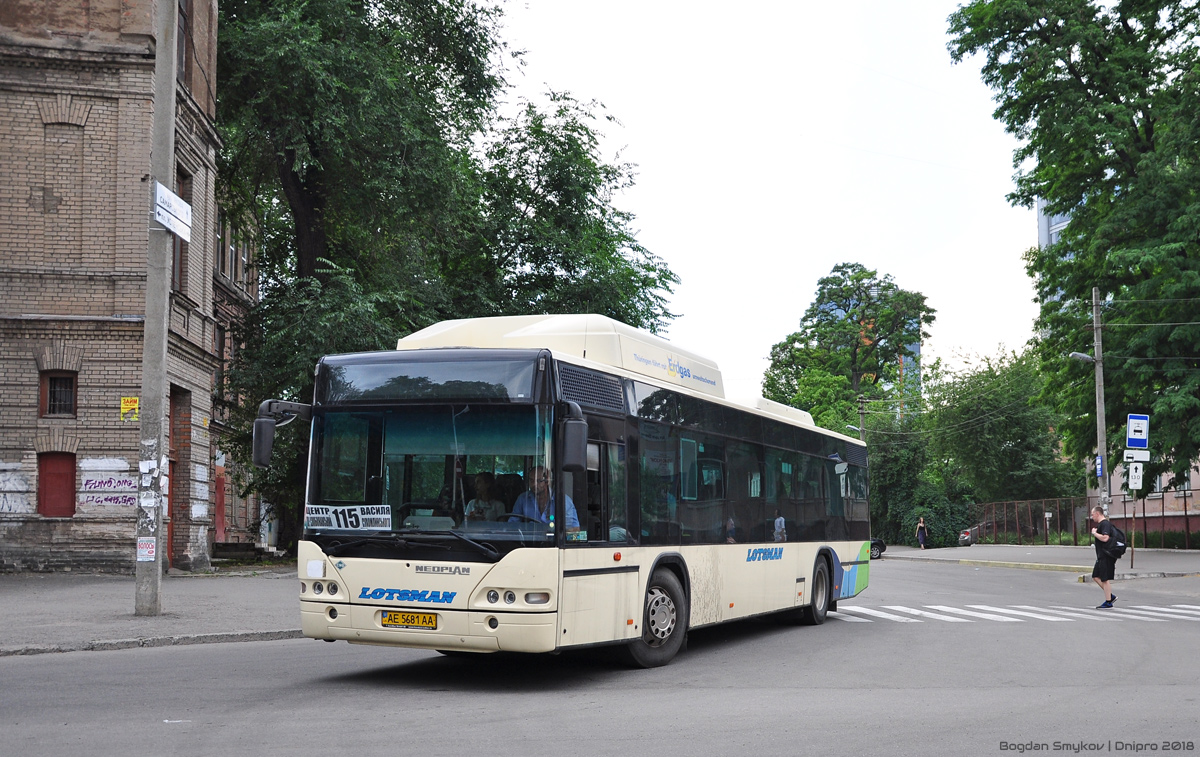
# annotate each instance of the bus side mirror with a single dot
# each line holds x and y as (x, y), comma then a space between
(575, 432)
(574, 440)
(263, 442)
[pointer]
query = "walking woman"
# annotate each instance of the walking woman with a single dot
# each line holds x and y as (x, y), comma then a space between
(922, 532)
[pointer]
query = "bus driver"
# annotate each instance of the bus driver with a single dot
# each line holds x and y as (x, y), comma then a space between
(538, 502)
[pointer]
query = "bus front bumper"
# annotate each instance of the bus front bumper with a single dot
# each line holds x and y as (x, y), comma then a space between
(464, 630)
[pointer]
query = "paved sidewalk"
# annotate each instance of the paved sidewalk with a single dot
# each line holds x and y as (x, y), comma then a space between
(65, 612)
(1141, 563)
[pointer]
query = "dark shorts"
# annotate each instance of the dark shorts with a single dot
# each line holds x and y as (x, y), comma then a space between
(1105, 569)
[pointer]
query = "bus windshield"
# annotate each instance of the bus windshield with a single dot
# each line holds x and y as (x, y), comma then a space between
(428, 469)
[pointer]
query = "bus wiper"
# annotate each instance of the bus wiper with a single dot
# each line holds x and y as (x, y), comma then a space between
(336, 548)
(487, 550)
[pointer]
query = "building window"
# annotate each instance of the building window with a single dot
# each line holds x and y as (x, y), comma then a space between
(244, 251)
(56, 484)
(57, 394)
(179, 248)
(182, 43)
(222, 242)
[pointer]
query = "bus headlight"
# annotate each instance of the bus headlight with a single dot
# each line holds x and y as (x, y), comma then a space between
(493, 596)
(537, 597)
(509, 597)
(332, 588)
(317, 587)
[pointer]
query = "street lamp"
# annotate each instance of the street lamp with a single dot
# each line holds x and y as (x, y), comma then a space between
(1098, 361)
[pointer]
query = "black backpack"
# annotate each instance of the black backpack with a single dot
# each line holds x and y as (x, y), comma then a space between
(1115, 546)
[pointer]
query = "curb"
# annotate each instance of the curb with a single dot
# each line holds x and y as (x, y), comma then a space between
(151, 641)
(990, 563)
(1081, 577)
(1085, 577)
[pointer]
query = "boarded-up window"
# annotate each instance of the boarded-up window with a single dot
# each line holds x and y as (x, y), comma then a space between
(56, 484)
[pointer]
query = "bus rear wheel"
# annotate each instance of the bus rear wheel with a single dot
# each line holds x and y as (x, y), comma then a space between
(814, 614)
(664, 622)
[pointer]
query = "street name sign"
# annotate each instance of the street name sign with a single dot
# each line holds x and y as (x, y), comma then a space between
(171, 211)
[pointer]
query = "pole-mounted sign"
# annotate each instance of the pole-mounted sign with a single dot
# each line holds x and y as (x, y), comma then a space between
(171, 211)
(1137, 431)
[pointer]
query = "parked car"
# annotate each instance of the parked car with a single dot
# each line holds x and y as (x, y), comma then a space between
(877, 548)
(968, 536)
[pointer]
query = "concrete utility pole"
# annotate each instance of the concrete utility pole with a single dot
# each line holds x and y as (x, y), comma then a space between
(862, 418)
(152, 454)
(1101, 436)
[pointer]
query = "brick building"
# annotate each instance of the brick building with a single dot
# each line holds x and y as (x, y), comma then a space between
(76, 118)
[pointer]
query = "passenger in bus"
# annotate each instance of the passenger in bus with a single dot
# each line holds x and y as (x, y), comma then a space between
(731, 531)
(780, 526)
(485, 506)
(538, 502)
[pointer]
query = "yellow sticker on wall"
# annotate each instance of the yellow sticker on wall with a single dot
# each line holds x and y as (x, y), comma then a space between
(129, 408)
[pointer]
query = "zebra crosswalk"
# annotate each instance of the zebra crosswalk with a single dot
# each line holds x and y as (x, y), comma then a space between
(1013, 614)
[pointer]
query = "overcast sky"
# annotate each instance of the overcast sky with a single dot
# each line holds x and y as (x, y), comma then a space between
(774, 140)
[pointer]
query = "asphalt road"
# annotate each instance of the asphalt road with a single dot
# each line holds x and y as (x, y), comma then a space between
(943, 683)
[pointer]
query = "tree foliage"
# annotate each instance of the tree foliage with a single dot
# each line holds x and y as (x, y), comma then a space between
(364, 142)
(1106, 100)
(998, 434)
(981, 435)
(852, 340)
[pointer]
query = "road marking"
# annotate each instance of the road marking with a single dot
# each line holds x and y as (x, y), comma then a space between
(1110, 613)
(1131, 611)
(970, 613)
(1057, 614)
(877, 614)
(1181, 614)
(1069, 614)
(848, 618)
(923, 614)
(1019, 612)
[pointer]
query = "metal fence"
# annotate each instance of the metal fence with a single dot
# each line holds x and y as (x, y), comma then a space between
(1036, 521)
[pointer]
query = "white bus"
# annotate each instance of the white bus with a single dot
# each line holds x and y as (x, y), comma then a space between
(537, 483)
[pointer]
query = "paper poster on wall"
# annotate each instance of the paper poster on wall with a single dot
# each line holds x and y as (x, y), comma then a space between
(129, 408)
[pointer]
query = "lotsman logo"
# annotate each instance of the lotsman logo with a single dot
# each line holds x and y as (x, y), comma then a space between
(407, 595)
(767, 553)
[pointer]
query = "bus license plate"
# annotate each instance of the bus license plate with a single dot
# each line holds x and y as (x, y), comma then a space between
(397, 619)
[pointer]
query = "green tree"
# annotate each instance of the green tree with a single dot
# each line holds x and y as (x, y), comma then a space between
(852, 340)
(357, 115)
(1106, 100)
(995, 434)
(363, 138)
(550, 239)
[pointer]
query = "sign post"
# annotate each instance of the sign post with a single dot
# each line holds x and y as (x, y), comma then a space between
(1137, 442)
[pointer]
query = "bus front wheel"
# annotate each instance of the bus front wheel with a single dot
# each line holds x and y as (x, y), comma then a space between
(814, 614)
(664, 622)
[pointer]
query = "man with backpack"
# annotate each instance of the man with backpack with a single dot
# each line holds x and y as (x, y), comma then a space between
(1109, 546)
